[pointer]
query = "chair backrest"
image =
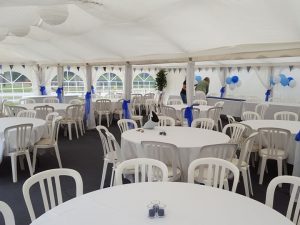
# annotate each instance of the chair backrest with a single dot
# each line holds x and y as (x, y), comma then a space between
(13, 110)
(145, 170)
(20, 141)
(273, 139)
(230, 119)
(165, 152)
(43, 110)
(55, 129)
(165, 121)
(214, 113)
(221, 151)
(219, 104)
(217, 172)
(200, 102)
(246, 148)
(73, 111)
(294, 197)
(200, 95)
(249, 115)
(126, 124)
(168, 111)
(174, 102)
(103, 105)
(261, 109)
(50, 116)
(113, 145)
(27, 113)
(236, 131)
(103, 131)
(7, 213)
(51, 100)
(75, 101)
(204, 123)
(151, 104)
(285, 115)
(149, 96)
(27, 101)
(46, 178)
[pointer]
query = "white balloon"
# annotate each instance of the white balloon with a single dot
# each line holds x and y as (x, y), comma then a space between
(195, 82)
(20, 31)
(276, 79)
(54, 15)
(292, 83)
(239, 83)
(231, 86)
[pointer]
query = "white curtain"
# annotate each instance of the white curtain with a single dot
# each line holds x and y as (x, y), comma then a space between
(222, 78)
(91, 116)
(42, 77)
(264, 75)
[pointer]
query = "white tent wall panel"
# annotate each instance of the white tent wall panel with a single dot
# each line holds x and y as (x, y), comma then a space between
(174, 83)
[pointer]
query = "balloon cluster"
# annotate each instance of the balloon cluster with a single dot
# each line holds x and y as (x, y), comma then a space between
(233, 82)
(284, 81)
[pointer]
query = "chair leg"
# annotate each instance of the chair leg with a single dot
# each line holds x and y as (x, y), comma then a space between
(21, 161)
(80, 127)
(262, 169)
(70, 131)
(99, 118)
(14, 168)
(29, 162)
(245, 179)
(279, 167)
(226, 185)
(107, 119)
(112, 175)
(105, 163)
(250, 181)
(285, 167)
(76, 129)
(57, 155)
(34, 159)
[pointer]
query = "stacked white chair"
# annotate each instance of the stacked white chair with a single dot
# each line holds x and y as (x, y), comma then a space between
(18, 146)
(285, 115)
(126, 124)
(236, 131)
(75, 101)
(43, 111)
(274, 145)
(51, 100)
(183, 120)
(103, 108)
(134, 116)
(200, 102)
(72, 114)
(7, 214)
(294, 197)
(145, 170)
(249, 115)
(47, 177)
(174, 102)
(13, 110)
(217, 172)
(27, 101)
(203, 123)
(261, 109)
(170, 112)
(118, 109)
(150, 105)
(165, 121)
(137, 103)
(28, 113)
(49, 143)
(80, 119)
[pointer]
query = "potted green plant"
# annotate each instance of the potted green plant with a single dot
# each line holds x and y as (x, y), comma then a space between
(161, 83)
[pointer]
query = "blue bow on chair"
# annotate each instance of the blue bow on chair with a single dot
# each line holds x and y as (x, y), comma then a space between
(222, 91)
(92, 89)
(125, 109)
(188, 114)
(59, 94)
(268, 93)
(87, 105)
(297, 138)
(43, 90)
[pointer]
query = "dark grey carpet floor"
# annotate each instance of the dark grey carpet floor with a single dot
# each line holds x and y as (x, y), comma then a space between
(85, 156)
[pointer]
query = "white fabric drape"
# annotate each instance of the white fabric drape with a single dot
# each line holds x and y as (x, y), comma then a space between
(222, 78)
(91, 117)
(60, 75)
(128, 81)
(264, 75)
(40, 77)
(190, 82)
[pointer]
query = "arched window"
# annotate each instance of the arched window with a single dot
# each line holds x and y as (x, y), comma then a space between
(14, 85)
(72, 83)
(109, 85)
(143, 83)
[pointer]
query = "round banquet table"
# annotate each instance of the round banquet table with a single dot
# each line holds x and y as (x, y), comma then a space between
(293, 127)
(203, 109)
(189, 141)
(58, 107)
(184, 203)
(40, 130)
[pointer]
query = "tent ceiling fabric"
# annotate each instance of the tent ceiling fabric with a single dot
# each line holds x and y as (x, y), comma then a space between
(108, 31)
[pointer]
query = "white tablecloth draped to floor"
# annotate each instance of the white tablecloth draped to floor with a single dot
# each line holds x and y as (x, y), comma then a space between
(58, 107)
(40, 98)
(39, 130)
(203, 109)
(231, 107)
(183, 203)
(188, 140)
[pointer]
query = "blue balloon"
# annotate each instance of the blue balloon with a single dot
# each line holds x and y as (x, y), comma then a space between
(198, 78)
(282, 76)
(235, 79)
(284, 81)
(290, 78)
(228, 80)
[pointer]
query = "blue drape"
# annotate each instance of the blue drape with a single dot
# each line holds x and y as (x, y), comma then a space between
(92, 89)
(125, 109)
(267, 94)
(222, 91)
(297, 138)
(188, 114)
(43, 90)
(87, 105)
(59, 92)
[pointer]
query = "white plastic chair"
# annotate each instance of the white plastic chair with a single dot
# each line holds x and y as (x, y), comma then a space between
(103, 108)
(285, 115)
(72, 114)
(174, 102)
(294, 197)
(75, 101)
(7, 213)
(46, 177)
(51, 100)
(217, 172)
(118, 109)
(13, 110)
(43, 111)
(200, 102)
(136, 103)
(215, 113)
(80, 119)
(49, 118)
(150, 105)
(249, 115)
(242, 162)
(236, 131)
(27, 101)
(170, 112)
(203, 123)
(219, 104)
(126, 124)
(27, 113)
(49, 143)
(274, 145)
(19, 136)
(165, 121)
(261, 109)
(134, 116)
(167, 153)
(145, 170)
(230, 119)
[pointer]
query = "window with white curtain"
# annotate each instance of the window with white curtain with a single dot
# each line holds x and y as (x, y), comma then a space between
(109, 85)
(14, 85)
(72, 83)
(143, 83)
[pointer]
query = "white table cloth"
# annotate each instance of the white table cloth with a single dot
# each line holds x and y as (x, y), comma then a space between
(231, 107)
(273, 108)
(115, 104)
(293, 127)
(40, 130)
(40, 98)
(203, 109)
(185, 204)
(58, 107)
(189, 141)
